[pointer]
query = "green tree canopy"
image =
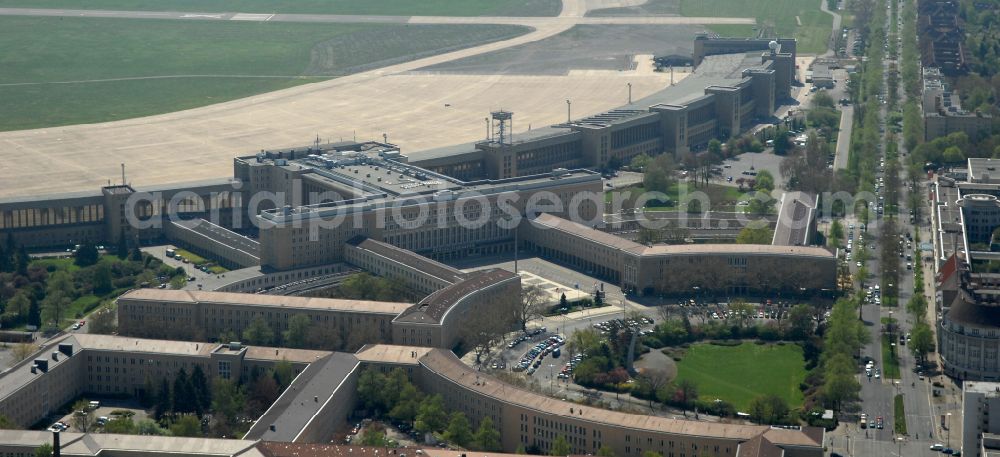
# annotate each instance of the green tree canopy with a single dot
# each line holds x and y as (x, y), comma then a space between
(560, 447)
(258, 333)
(487, 437)
(459, 432)
(431, 416)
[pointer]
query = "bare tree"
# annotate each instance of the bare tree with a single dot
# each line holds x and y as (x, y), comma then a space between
(23, 351)
(483, 334)
(83, 416)
(654, 380)
(530, 306)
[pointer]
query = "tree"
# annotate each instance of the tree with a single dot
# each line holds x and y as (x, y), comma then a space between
(563, 303)
(768, 409)
(653, 380)
(143, 427)
(164, 400)
(21, 261)
(373, 436)
(836, 234)
(688, 391)
(742, 310)
(121, 426)
(86, 255)
(22, 351)
(922, 340)
(45, 450)
(953, 155)
(761, 204)
(639, 162)
(58, 295)
(298, 331)
(800, 318)
(370, 387)
(200, 389)
(7, 424)
(715, 149)
(103, 322)
(649, 236)
(227, 400)
(122, 249)
(765, 181)
(186, 425)
(258, 333)
(482, 334)
(431, 416)
(18, 306)
(530, 306)
(487, 437)
(584, 340)
(459, 432)
(658, 174)
(184, 399)
(283, 373)
(605, 450)
(83, 416)
(408, 406)
(102, 279)
(917, 306)
(755, 234)
(560, 447)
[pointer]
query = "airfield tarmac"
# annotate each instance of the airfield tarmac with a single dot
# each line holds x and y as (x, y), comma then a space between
(409, 106)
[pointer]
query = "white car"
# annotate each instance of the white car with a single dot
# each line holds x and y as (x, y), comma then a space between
(937, 447)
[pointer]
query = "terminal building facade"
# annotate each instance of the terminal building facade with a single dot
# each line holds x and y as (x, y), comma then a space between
(324, 393)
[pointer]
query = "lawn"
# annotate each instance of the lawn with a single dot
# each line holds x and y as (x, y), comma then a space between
(190, 64)
(899, 415)
(890, 362)
(376, 7)
(195, 259)
(737, 374)
(812, 34)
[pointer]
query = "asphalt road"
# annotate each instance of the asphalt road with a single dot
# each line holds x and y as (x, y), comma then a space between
(877, 395)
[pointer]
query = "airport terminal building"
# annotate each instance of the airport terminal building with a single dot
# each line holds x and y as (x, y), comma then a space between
(324, 393)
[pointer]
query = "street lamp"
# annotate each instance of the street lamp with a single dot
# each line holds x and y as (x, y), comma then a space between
(947, 427)
(569, 118)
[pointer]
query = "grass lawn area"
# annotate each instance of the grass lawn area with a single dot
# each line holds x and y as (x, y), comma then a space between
(190, 63)
(812, 34)
(737, 374)
(722, 198)
(899, 416)
(890, 363)
(376, 7)
(733, 30)
(195, 259)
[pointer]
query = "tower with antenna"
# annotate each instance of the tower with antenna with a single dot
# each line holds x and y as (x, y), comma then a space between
(503, 127)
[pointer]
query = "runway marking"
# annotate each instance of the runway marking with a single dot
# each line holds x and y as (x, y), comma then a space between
(202, 16)
(251, 17)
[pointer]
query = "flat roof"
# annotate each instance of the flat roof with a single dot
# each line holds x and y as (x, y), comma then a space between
(573, 228)
(447, 365)
(98, 443)
(274, 301)
(982, 387)
(392, 354)
(408, 258)
(433, 308)
(632, 247)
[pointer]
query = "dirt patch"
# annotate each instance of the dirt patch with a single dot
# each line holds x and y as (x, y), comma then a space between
(657, 360)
